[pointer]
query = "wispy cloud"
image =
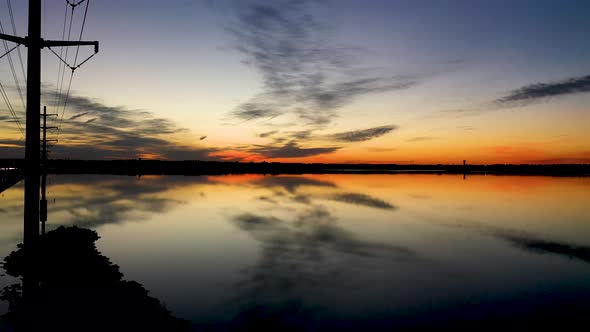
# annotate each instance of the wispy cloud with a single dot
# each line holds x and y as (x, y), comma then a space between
(540, 91)
(252, 110)
(421, 139)
(94, 130)
(530, 94)
(362, 135)
(77, 116)
(289, 150)
(268, 133)
(302, 73)
(288, 144)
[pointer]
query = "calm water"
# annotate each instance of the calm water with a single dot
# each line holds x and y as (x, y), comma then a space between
(335, 251)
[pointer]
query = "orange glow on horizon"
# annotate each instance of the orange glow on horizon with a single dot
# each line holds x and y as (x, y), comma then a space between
(492, 155)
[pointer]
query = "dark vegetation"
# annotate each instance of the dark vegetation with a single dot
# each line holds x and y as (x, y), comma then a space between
(195, 167)
(73, 287)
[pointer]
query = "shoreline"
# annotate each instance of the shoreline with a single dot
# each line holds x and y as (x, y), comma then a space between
(160, 167)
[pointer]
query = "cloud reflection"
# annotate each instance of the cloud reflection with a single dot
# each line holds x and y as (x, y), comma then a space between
(362, 199)
(293, 249)
(90, 203)
(536, 245)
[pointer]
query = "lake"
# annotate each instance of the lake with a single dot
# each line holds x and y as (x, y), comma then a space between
(336, 252)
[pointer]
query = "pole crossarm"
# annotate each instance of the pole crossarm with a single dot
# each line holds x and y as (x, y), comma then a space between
(65, 43)
(50, 43)
(14, 39)
(75, 4)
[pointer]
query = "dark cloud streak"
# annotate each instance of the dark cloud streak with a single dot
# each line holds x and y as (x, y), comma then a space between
(290, 150)
(362, 135)
(530, 94)
(302, 73)
(115, 132)
(535, 92)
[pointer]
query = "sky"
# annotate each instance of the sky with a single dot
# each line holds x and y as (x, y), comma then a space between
(333, 81)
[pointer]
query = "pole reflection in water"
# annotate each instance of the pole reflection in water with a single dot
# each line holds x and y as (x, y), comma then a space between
(43, 202)
(29, 275)
(68, 285)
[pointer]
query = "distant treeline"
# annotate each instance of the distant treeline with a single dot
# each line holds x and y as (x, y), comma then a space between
(195, 167)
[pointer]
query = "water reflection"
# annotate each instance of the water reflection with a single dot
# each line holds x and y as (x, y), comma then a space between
(297, 259)
(363, 199)
(534, 244)
(313, 252)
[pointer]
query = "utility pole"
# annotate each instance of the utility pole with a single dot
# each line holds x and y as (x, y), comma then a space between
(44, 167)
(44, 140)
(35, 44)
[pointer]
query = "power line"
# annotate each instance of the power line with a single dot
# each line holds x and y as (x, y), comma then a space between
(44, 37)
(35, 43)
(59, 70)
(81, 31)
(39, 43)
(10, 50)
(3, 90)
(73, 68)
(63, 74)
(64, 108)
(11, 109)
(20, 57)
(14, 76)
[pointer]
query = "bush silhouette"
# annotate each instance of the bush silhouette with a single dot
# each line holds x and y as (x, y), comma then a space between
(79, 289)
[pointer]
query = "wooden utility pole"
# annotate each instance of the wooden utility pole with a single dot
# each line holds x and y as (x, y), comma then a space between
(35, 44)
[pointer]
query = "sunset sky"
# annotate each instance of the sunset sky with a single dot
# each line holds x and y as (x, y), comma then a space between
(375, 81)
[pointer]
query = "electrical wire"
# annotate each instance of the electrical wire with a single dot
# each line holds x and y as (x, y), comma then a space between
(3, 90)
(63, 74)
(64, 108)
(81, 31)
(14, 76)
(20, 57)
(57, 99)
(10, 50)
(11, 109)
(67, 96)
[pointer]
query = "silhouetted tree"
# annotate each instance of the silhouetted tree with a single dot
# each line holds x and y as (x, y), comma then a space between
(80, 290)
